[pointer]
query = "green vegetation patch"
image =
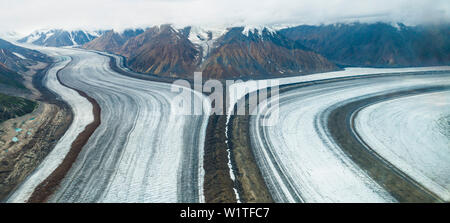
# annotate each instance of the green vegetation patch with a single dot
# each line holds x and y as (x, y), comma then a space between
(12, 107)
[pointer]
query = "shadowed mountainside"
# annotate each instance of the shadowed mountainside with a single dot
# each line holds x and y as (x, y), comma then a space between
(9, 78)
(112, 41)
(17, 58)
(161, 50)
(376, 45)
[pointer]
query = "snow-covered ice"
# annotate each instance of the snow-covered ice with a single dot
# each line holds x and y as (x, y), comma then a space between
(298, 158)
(142, 151)
(412, 133)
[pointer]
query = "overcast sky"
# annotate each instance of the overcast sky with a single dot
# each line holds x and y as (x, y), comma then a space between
(24, 16)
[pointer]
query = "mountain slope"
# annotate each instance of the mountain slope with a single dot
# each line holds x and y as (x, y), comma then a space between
(203, 38)
(161, 50)
(379, 44)
(9, 78)
(244, 52)
(59, 37)
(219, 53)
(18, 58)
(111, 41)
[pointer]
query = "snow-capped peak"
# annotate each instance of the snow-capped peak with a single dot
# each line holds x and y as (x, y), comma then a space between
(257, 30)
(398, 26)
(199, 34)
(60, 37)
(10, 36)
(205, 37)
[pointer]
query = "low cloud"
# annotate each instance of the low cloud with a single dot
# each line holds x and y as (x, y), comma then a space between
(24, 16)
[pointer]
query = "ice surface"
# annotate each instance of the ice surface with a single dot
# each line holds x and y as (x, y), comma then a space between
(143, 151)
(348, 72)
(298, 158)
(409, 132)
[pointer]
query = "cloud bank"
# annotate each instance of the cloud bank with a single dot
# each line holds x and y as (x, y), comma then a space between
(24, 16)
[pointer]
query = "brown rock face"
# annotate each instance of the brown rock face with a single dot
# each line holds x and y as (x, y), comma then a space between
(163, 50)
(108, 42)
(261, 54)
(160, 50)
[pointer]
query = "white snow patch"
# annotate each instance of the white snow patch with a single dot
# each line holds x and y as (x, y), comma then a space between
(92, 33)
(33, 37)
(48, 35)
(72, 39)
(19, 55)
(205, 38)
(257, 30)
(230, 165)
(10, 36)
